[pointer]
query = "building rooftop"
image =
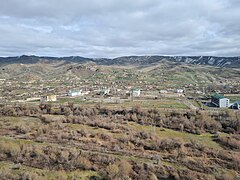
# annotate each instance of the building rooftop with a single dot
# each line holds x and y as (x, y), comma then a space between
(217, 96)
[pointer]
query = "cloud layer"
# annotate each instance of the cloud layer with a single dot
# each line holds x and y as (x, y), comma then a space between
(111, 28)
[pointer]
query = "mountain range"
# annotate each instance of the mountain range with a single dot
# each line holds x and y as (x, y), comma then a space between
(233, 62)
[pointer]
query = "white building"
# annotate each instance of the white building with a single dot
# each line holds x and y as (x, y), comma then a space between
(179, 91)
(163, 91)
(136, 92)
(75, 93)
(49, 98)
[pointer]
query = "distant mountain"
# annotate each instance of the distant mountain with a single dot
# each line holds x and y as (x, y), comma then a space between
(127, 60)
(200, 60)
(36, 59)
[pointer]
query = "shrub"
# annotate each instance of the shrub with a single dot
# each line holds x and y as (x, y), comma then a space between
(119, 170)
(229, 142)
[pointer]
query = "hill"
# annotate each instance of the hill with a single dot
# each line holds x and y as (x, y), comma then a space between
(126, 60)
(163, 71)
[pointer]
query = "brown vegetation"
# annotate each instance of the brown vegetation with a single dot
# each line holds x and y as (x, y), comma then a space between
(68, 138)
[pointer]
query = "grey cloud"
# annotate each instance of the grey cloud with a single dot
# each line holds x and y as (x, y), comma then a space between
(107, 28)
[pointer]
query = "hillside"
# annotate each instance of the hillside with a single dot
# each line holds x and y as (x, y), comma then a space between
(75, 142)
(126, 60)
(163, 73)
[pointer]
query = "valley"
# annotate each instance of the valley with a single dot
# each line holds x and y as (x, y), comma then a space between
(81, 118)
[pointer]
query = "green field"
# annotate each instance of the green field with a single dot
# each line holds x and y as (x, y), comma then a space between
(148, 104)
(233, 97)
(204, 139)
(7, 167)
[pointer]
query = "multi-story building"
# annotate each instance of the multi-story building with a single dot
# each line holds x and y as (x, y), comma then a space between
(220, 101)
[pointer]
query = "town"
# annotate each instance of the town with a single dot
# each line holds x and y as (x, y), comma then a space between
(121, 93)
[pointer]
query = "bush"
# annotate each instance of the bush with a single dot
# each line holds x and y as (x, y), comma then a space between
(229, 142)
(119, 170)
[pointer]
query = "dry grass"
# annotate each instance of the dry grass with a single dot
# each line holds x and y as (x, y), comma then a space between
(45, 174)
(205, 139)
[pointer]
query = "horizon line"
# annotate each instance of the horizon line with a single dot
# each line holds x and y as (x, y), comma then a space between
(67, 56)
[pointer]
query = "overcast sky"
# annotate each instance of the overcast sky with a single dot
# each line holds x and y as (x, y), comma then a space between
(111, 28)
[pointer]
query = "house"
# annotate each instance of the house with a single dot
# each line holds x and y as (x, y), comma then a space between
(236, 105)
(49, 98)
(163, 91)
(136, 92)
(198, 92)
(179, 91)
(104, 91)
(74, 93)
(220, 101)
(85, 92)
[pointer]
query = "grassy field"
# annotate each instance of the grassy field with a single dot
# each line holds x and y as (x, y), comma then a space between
(35, 173)
(34, 123)
(156, 104)
(145, 104)
(162, 133)
(111, 136)
(77, 100)
(233, 97)
(205, 139)
(93, 129)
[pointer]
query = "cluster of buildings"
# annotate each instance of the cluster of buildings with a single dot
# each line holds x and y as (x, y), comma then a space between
(223, 102)
(172, 93)
(76, 93)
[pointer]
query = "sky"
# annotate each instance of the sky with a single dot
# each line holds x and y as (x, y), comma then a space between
(113, 28)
